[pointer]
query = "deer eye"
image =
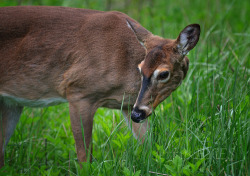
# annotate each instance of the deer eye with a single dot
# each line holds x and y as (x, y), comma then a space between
(163, 75)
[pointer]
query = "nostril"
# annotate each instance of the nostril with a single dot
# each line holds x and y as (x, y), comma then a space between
(136, 114)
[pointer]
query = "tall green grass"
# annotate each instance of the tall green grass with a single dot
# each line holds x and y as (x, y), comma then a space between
(201, 129)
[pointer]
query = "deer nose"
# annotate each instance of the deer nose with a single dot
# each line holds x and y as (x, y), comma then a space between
(138, 115)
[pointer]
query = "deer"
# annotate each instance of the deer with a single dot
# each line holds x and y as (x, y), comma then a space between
(88, 59)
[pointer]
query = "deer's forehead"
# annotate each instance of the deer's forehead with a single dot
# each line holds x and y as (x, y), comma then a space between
(155, 61)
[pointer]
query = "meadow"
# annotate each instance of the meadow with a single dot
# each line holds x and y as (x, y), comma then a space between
(201, 129)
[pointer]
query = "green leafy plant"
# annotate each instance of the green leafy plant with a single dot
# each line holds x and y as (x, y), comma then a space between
(127, 172)
(178, 167)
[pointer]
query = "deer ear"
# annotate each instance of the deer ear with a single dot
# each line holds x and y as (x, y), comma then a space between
(141, 33)
(188, 38)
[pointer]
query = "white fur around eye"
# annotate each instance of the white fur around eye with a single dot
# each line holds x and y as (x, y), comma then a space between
(156, 73)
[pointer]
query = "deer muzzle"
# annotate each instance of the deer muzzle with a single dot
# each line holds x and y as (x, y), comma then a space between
(138, 115)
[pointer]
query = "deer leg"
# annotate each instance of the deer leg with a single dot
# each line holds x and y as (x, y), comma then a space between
(81, 117)
(139, 129)
(9, 116)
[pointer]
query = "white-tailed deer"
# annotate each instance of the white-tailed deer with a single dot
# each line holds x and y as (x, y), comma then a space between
(88, 58)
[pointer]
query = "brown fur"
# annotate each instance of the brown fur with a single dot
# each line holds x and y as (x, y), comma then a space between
(87, 57)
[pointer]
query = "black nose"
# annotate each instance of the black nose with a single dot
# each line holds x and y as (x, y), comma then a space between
(137, 115)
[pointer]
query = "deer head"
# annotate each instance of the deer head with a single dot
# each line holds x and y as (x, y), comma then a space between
(164, 67)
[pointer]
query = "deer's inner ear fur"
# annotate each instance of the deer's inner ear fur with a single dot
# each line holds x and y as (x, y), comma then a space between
(188, 38)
